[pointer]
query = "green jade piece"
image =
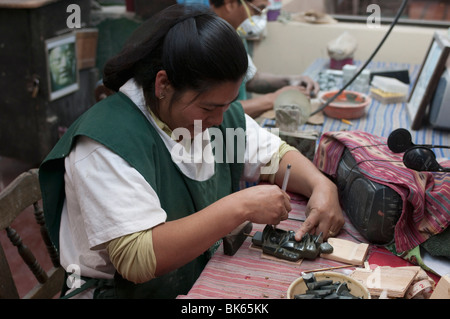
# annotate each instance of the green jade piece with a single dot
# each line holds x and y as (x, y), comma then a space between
(282, 244)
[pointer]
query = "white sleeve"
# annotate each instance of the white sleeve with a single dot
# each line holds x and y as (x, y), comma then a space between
(251, 70)
(261, 148)
(107, 195)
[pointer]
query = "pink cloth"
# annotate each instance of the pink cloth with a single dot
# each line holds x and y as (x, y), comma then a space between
(425, 195)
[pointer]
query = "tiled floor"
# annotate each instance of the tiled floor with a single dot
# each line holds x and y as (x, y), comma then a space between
(26, 227)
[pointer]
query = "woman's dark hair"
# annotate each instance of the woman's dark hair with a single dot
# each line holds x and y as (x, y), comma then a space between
(196, 48)
(219, 3)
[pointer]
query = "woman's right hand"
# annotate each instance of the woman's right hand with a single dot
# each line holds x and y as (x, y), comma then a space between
(264, 204)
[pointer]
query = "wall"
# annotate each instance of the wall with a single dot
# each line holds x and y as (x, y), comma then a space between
(30, 123)
(291, 47)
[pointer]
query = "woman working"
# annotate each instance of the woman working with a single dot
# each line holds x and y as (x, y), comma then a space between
(139, 215)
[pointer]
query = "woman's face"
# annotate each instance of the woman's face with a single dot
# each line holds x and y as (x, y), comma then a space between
(207, 107)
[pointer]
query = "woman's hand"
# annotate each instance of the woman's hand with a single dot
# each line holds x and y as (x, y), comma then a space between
(311, 87)
(264, 204)
(323, 213)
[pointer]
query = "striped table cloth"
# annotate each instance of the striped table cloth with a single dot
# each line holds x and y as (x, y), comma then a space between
(248, 275)
(380, 119)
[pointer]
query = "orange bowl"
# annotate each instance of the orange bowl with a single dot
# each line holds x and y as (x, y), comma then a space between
(347, 105)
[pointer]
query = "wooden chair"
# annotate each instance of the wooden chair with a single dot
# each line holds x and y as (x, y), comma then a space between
(22, 193)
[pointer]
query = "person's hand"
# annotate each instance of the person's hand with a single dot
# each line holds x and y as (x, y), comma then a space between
(323, 213)
(264, 204)
(301, 89)
(311, 87)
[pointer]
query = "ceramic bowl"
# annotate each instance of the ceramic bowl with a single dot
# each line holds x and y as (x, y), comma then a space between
(348, 105)
(298, 286)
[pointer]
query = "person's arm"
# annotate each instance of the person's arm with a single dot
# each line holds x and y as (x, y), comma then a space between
(263, 83)
(323, 211)
(142, 256)
(179, 241)
(260, 104)
(269, 86)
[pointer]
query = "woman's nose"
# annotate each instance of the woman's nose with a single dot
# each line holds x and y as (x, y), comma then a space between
(217, 116)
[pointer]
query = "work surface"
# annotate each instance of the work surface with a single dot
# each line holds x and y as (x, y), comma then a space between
(248, 275)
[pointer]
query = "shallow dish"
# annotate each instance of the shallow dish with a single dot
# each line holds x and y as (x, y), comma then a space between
(298, 286)
(348, 105)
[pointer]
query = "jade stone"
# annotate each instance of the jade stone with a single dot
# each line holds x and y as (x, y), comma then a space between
(282, 244)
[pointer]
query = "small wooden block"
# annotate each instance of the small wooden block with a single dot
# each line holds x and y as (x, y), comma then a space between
(234, 240)
(347, 251)
(442, 290)
(395, 281)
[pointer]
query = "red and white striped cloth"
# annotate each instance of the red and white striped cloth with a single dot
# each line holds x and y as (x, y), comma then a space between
(425, 195)
(247, 275)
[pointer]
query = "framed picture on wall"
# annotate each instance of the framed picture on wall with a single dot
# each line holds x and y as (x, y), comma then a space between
(430, 72)
(62, 72)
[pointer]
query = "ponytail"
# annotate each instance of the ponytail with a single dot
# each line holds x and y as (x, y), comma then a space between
(194, 46)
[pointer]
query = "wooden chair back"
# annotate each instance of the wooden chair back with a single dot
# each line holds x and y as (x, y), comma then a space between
(22, 193)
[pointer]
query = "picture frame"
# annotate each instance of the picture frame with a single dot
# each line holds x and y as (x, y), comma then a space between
(430, 72)
(62, 70)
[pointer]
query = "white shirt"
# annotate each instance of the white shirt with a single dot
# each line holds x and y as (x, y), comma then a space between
(106, 198)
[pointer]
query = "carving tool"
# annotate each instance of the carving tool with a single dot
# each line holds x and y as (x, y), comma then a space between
(285, 182)
(286, 177)
(327, 268)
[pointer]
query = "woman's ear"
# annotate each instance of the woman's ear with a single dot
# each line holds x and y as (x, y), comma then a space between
(229, 5)
(161, 84)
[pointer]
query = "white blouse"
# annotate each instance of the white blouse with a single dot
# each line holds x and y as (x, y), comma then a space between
(106, 198)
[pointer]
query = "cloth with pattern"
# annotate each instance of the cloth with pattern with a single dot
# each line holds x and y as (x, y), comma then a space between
(425, 195)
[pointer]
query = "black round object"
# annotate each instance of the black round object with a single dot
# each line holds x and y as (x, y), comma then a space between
(400, 140)
(421, 159)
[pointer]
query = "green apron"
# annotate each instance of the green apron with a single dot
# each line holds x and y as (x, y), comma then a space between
(117, 123)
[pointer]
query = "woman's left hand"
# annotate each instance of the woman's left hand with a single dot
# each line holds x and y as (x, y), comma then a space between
(323, 213)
